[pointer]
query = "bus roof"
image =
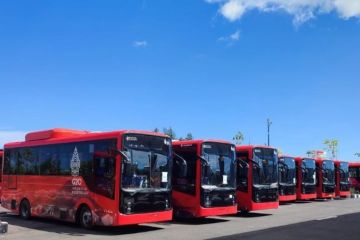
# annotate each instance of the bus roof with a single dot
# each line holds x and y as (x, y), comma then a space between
(198, 141)
(249, 147)
(59, 135)
(286, 156)
(302, 158)
(354, 164)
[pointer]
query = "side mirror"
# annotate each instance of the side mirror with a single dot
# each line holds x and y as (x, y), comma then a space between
(182, 165)
(125, 157)
(204, 161)
(243, 163)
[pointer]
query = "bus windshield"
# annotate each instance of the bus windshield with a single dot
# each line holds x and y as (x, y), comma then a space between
(344, 172)
(287, 170)
(218, 167)
(354, 172)
(328, 172)
(308, 171)
(146, 162)
(265, 166)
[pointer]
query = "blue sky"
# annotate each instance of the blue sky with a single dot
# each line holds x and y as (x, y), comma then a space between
(105, 65)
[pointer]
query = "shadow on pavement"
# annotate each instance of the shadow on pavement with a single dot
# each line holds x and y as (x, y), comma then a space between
(302, 201)
(342, 227)
(286, 203)
(71, 229)
(252, 214)
(198, 221)
(322, 200)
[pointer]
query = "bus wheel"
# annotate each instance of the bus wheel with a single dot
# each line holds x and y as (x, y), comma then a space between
(85, 218)
(25, 212)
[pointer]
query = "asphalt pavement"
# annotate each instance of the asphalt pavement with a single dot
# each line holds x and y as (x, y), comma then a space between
(344, 227)
(334, 219)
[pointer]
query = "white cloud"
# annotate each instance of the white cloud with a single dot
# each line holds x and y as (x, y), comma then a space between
(301, 10)
(140, 44)
(11, 136)
(235, 36)
(231, 39)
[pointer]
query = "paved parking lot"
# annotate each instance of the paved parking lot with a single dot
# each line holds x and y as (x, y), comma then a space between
(296, 221)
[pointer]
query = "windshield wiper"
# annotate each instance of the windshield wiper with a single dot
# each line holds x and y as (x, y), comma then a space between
(124, 155)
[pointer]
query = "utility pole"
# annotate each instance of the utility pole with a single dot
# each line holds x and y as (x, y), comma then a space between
(268, 130)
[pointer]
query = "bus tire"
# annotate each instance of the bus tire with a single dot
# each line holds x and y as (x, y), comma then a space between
(85, 217)
(25, 210)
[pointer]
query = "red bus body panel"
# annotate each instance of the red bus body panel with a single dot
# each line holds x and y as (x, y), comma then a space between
(338, 192)
(287, 198)
(183, 202)
(354, 182)
(52, 196)
(299, 195)
(1, 164)
(244, 199)
(319, 185)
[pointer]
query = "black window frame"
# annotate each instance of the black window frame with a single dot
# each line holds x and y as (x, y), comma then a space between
(189, 154)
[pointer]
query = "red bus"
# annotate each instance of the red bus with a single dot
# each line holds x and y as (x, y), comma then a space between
(287, 179)
(257, 178)
(325, 178)
(342, 185)
(109, 178)
(1, 163)
(305, 178)
(354, 178)
(204, 176)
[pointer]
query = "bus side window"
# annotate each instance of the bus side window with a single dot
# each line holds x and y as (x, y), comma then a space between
(297, 169)
(49, 160)
(317, 174)
(104, 175)
(242, 171)
(10, 162)
(28, 161)
(185, 184)
(13, 161)
(104, 168)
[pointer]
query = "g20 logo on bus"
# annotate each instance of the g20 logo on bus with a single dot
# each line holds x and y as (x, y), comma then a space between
(76, 182)
(75, 163)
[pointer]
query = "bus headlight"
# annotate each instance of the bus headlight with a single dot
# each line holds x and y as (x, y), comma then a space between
(257, 197)
(166, 203)
(128, 207)
(232, 198)
(207, 202)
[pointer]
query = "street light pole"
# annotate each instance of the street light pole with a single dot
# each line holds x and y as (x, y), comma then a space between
(268, 130)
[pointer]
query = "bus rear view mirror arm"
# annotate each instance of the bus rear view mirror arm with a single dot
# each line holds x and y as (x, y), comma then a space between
(204, 160)
(183, 166)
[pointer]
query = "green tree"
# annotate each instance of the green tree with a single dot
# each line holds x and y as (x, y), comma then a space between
(357, 154)
(189, 136)
(170, 132)
(238, 138)
(156, 130)
(332, 146)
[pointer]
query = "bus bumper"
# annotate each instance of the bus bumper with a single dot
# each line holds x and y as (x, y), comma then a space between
(306, 196)
(345, 194)
(131, 219)
(263, 206)
(216, 211)
(325, 195)
(287, 198)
